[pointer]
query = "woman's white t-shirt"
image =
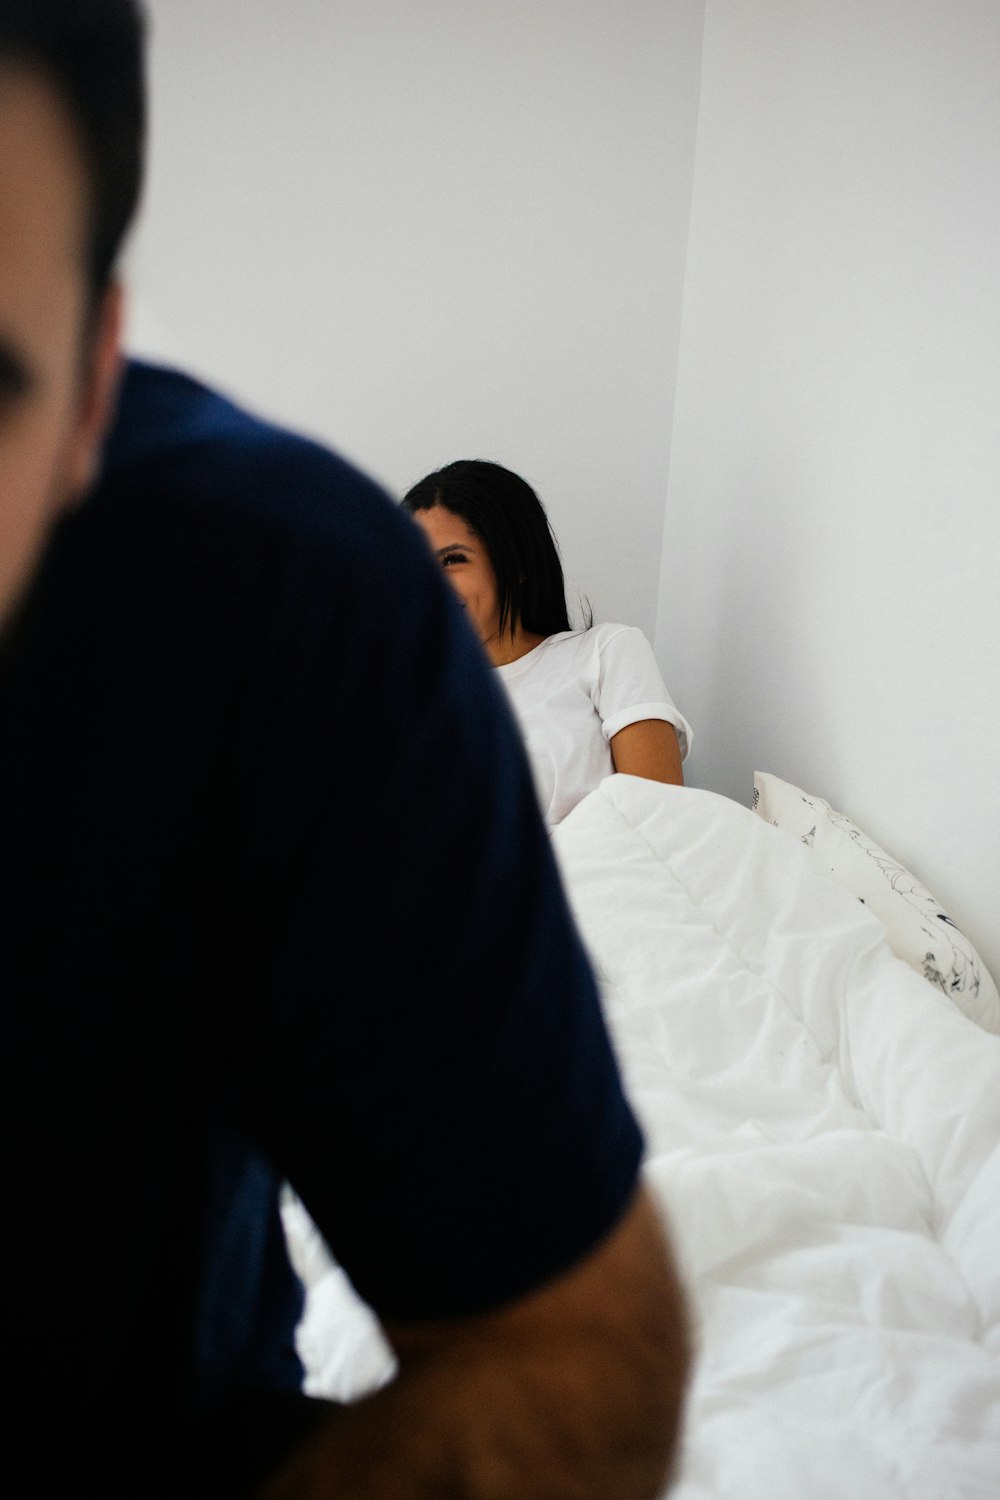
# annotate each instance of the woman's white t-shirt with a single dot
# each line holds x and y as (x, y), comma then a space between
(571, 694)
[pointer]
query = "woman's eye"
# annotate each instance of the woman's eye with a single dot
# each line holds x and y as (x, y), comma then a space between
(453, 557)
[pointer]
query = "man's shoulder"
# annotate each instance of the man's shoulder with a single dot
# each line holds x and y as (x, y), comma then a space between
(211, 524)
(195, 482)
(175, 436)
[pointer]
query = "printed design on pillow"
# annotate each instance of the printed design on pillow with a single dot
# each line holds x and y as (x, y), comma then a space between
(809, 838)
(954, 967)
(917, 929)
(962, 973)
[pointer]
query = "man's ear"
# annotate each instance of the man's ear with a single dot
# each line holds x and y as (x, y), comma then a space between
(99, 378)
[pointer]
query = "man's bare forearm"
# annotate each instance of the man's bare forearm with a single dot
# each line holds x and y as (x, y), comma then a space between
(574, 1392)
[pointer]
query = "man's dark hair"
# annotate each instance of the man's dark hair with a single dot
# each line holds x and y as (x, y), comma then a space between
(91, 52)
(506, 514)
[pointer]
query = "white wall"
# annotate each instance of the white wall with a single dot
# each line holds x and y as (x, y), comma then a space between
(437, 230)
(420, 231)
(830, 606)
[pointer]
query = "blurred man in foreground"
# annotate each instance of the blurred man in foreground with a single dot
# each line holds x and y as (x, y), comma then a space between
(278, 904)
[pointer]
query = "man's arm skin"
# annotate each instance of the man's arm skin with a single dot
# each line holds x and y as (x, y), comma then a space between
(573, 1393)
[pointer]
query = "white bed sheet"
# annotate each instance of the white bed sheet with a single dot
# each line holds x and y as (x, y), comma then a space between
(822, 1129)
(823, 1134)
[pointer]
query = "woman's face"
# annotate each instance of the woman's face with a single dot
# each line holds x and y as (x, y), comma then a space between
(468, 566)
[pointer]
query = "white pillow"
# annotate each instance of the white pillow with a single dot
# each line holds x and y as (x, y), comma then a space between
(917, 930)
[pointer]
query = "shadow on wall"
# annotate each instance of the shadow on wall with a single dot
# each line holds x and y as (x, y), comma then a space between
(765, 700)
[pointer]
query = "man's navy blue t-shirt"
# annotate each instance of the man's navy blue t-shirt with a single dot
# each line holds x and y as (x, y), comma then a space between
(279, 905)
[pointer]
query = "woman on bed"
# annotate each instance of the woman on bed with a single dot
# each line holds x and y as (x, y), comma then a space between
(589, 702)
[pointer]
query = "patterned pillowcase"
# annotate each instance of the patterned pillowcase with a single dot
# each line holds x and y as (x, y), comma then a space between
(917, 930)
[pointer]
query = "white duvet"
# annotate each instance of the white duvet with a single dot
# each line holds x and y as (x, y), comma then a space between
(823, 1132)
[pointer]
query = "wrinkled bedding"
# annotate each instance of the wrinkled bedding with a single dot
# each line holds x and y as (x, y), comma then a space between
(823, 1134)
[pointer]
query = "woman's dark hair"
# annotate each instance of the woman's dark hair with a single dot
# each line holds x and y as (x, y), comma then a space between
(91, 52)
(506, 514)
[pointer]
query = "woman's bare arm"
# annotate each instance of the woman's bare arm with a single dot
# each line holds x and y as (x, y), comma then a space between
(649, 748)
(573, 1393)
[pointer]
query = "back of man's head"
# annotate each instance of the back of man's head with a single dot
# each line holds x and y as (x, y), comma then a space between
(91, 53)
